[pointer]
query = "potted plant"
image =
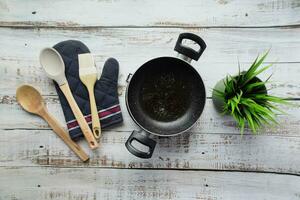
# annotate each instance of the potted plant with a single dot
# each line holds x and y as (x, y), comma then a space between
(246, 97)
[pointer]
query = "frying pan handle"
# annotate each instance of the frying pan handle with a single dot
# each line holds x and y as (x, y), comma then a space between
(143, 139)
(187, 51)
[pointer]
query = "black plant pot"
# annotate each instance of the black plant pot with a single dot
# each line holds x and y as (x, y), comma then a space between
(219, 102)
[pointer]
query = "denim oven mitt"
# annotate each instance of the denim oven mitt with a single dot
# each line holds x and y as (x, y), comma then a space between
(106, 93)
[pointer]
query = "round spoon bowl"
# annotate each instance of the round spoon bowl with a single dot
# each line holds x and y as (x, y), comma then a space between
(53, 65)
(30, 99)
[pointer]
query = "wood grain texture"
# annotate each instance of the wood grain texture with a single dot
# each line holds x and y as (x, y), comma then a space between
(19, 58)
(211, 161)
(13, 117)
(284, 82)
(170, 13)
(226, 152)
(111, 184)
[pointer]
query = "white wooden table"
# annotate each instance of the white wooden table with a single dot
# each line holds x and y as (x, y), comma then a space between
(211, 162)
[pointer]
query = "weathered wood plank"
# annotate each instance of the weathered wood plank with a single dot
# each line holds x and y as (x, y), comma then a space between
(25, 153)
(111, 184)
(14, 117)
(136, 44)
(187, 13)
(284, 82)
(189, 151)
(132, 47)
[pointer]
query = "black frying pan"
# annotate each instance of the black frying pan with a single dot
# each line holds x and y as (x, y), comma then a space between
(165, 96)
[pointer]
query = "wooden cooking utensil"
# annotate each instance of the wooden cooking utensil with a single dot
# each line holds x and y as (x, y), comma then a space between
(88, 76)
(54, 67)
(31, 100)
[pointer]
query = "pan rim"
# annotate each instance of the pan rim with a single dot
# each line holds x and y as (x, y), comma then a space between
(145, 129)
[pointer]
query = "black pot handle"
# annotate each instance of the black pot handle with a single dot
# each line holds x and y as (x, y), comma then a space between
(187, 51)
(143, 139)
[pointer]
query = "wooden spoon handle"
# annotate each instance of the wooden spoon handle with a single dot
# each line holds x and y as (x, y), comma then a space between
(54, 124)
(79, 116)
(95, 117)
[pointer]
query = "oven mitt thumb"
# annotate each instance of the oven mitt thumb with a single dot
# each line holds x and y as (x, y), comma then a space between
(105, 89)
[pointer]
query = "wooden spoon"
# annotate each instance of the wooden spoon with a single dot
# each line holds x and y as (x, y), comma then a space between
(54, 67)
(31, 100)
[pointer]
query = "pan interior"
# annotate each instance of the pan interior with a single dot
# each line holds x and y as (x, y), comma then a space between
(166, 96)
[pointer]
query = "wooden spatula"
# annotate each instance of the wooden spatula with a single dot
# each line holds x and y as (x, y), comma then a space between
(88, 76)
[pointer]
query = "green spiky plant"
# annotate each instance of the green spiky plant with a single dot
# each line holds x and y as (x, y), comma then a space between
(245, 97)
